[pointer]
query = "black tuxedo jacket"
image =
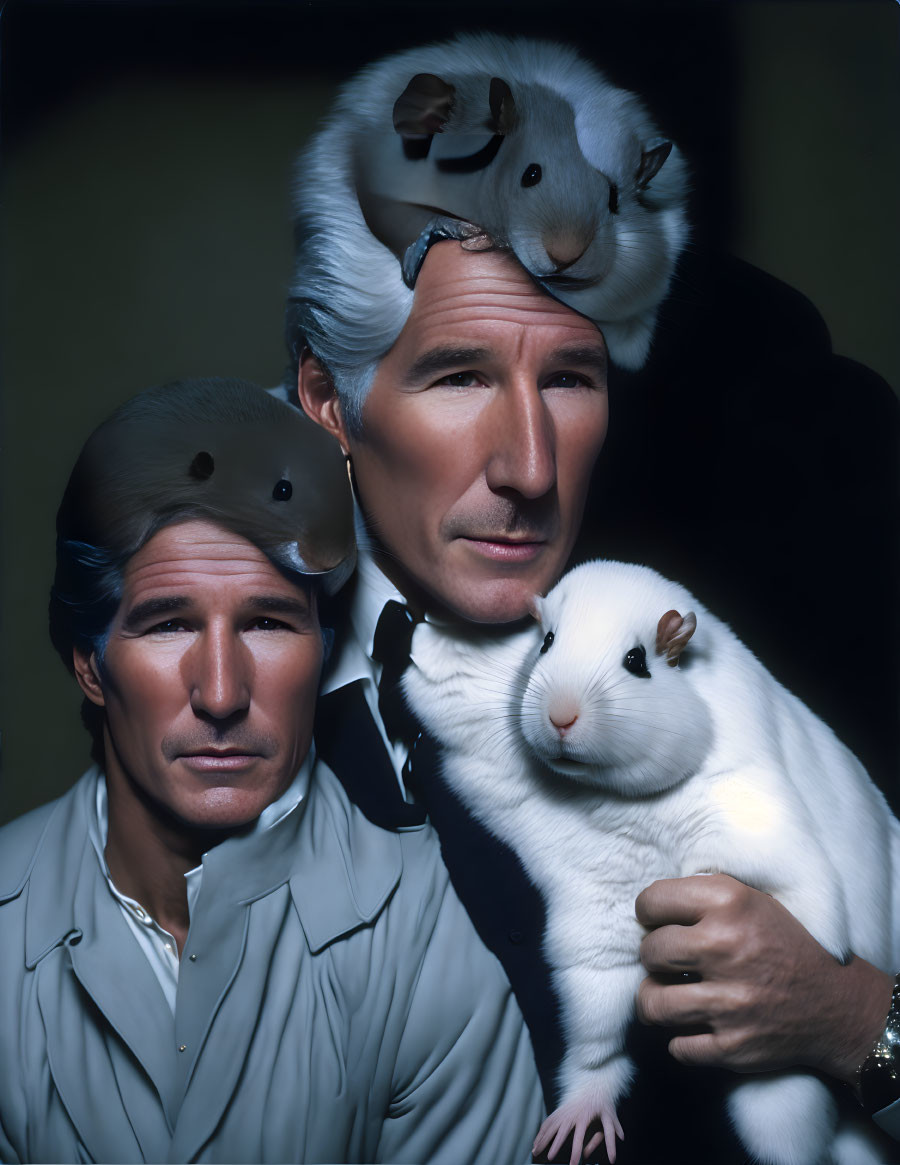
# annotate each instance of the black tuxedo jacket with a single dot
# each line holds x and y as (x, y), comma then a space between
(759, 469)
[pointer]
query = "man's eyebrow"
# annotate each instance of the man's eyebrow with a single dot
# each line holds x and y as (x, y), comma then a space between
(279, 605)
(585, 356)
(150, 609)
(437, 360)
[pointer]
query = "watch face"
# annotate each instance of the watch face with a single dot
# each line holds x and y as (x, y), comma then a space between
(879, 1077)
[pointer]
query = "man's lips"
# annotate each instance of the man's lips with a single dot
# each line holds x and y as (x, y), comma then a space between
(219, 759)
(505, 548)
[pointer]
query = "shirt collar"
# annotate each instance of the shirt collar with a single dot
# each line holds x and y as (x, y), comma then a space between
(271, 816)
(373, 591)
(352, 659)
(333, 847)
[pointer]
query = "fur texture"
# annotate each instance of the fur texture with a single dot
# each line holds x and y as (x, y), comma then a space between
(604, 778)
(601, 225)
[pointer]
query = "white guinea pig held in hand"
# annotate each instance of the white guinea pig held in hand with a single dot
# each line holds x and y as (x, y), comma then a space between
(629, 736)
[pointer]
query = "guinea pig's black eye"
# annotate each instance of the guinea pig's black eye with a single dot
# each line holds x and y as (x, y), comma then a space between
(636, 662)
(613, 198)
(201, 468)
(548, 642)
(282, 491)
(532, 175)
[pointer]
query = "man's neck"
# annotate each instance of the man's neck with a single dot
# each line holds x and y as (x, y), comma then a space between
(418, 600)
(149, 853)
(421, 603)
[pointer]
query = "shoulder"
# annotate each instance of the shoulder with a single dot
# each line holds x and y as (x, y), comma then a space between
(367, 875)
(24, 840)
(375, 856)
(19, 845)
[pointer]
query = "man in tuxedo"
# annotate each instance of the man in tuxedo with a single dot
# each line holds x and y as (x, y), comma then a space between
(471, 456)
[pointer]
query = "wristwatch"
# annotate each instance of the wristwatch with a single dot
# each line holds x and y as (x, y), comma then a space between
(879, 1075)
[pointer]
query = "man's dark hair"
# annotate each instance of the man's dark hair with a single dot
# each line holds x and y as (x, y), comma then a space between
(220, 450)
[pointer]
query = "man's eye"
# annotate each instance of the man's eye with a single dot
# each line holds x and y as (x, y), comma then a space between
(265, 623)
(461, 379)
(569, 380)
(167, 627)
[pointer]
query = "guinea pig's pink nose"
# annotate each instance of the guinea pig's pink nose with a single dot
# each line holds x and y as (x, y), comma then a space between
(565, 248)
(562, 717)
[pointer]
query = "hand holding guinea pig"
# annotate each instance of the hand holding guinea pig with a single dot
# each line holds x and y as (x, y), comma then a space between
(768, 994)
(632, 737)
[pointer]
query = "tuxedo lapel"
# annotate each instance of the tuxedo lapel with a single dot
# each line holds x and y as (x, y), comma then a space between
(350, 744)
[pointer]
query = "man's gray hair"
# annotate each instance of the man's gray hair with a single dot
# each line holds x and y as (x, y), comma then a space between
(522, 137)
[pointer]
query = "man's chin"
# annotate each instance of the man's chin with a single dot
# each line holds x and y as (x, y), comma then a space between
(462, 585)
(505, 600)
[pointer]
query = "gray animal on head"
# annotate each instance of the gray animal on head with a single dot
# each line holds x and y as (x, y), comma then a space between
(216, 449)
(219, 450)
(519, 140)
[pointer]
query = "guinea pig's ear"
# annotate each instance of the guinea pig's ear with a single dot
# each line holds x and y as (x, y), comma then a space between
(536, 607)
(651, 163)
(672, 634)
(503, 107)
(424, 106)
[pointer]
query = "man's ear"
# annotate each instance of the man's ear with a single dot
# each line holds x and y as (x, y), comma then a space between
(319, 398)
(87, 675)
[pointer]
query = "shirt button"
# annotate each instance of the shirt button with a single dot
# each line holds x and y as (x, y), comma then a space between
(516, 937)
(139, 912)
(182, 1047)
(168, 946)
(193, 958)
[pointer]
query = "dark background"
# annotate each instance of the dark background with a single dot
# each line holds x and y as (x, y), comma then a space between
(146, 154)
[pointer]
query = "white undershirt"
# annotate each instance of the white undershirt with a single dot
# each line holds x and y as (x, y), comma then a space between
(157, 944)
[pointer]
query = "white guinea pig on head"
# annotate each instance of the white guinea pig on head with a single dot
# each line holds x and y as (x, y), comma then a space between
(605, 701)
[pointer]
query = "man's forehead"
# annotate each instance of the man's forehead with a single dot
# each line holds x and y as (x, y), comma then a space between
(199, 553)
(458, 289)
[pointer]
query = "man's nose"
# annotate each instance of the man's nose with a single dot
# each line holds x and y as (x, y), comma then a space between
(218, 676)
(522, 442)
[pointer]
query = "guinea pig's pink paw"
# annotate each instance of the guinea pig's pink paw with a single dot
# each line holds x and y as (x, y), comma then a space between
(577, 1119)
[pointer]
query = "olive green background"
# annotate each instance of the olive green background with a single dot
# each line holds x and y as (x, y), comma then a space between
(146, 235)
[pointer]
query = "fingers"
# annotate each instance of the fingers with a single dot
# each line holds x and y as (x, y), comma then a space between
(558, 1141)
(682, 1005)
(685, 901)
(724, 933)
(578, 1142)
(559, 1127)
(594, 1143)
(611, 1128)
(696, 1050)
(542, 1140)
(552, 1130)
(672, 950)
